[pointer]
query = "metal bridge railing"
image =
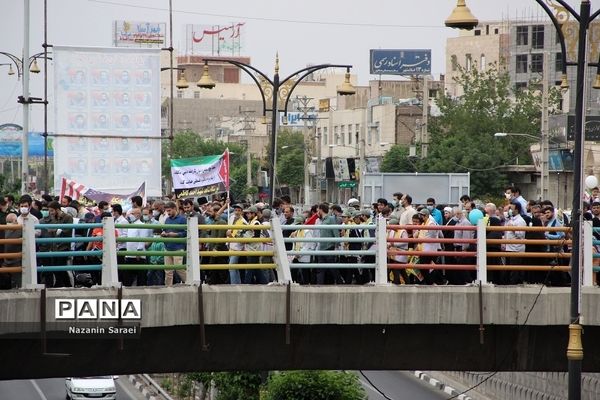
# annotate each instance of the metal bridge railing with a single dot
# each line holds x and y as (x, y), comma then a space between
(378, 244)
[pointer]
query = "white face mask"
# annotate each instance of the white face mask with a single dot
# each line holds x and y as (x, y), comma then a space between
(155, 213)
(24, 210)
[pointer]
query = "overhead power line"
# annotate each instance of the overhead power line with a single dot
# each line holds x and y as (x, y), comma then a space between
(265, 19)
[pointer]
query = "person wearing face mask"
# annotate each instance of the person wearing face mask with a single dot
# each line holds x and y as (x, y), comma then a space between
(514, 220)
(396, 206)
(158, 211)
(434, 212)
(56, 216)
(409, 211)
(139, 276)
(25, 214)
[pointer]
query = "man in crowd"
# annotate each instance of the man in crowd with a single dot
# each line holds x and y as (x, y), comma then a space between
(57, 216)
(139, 276)
(236, 219)
(327, 219)
(174, 218)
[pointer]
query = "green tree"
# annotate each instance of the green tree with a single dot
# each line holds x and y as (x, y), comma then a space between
(462, 137)
(397, 160)
(238, 385)
(290, 158)
(314, 385)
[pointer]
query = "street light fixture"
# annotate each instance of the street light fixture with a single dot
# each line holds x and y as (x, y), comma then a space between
(279, 92)
(584, 18)
(24, 66)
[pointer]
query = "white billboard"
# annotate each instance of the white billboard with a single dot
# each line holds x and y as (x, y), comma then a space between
(139, 34)
(214, 40)
(107, 107)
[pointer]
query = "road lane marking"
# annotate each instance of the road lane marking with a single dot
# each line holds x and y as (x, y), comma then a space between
(38, 390)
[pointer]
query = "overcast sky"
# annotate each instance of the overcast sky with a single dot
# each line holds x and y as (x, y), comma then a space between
(304, 32)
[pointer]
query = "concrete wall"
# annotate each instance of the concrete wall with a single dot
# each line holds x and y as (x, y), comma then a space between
(524, 385)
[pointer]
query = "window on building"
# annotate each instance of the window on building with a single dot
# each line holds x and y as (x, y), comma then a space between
(325, 138)
(454, 62)
(537, 63)
(349, 133)
(319, 137)
(520, 86)
(180, 94)
(343, 134)
(537, 37)
(357, 134)
(482, 62)
(487, 29)
(197, 94)
(336, 135)
(521, 65)
(496, 31)
(522, 35)
(558, 62)
(468, 62)
(477, 32)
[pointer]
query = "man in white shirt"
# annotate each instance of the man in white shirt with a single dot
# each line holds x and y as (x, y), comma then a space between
(409, 211)
(514, 219)
(24, 213)
(141, 276)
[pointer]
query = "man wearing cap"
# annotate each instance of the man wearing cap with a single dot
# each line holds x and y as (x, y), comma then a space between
(354, 203)
(236, 219)
(253, 275)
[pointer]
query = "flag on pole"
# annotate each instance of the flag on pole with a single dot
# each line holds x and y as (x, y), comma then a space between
(200, 176)
(72, 189)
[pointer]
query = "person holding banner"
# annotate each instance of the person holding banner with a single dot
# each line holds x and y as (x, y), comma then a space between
(173, 217)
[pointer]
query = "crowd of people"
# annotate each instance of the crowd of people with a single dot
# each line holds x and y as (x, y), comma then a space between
(403, 220)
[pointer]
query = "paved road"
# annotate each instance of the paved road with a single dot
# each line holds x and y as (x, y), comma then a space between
(54, 389)
(399, 385)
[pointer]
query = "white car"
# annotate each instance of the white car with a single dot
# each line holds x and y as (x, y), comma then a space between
(94, 387)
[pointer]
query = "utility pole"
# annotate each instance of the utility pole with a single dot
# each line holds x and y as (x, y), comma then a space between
(545, 178)
(424, 133)
(304, 108)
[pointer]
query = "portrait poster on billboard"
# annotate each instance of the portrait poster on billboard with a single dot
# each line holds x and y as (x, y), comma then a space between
(107, 107)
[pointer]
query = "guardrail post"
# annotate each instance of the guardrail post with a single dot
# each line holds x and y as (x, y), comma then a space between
(284, 274)
(193, 253)
(381, 274)
(110, 275)
(481, 252)
(28, 259)
(588, 254)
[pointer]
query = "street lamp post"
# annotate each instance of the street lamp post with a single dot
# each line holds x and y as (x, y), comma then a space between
(23, 71)
(462, 18)
(278, 90)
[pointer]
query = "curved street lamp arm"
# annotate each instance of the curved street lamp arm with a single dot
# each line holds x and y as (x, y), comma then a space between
(305, 72)
(16, 60)
(247, 69)
(557, 26)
